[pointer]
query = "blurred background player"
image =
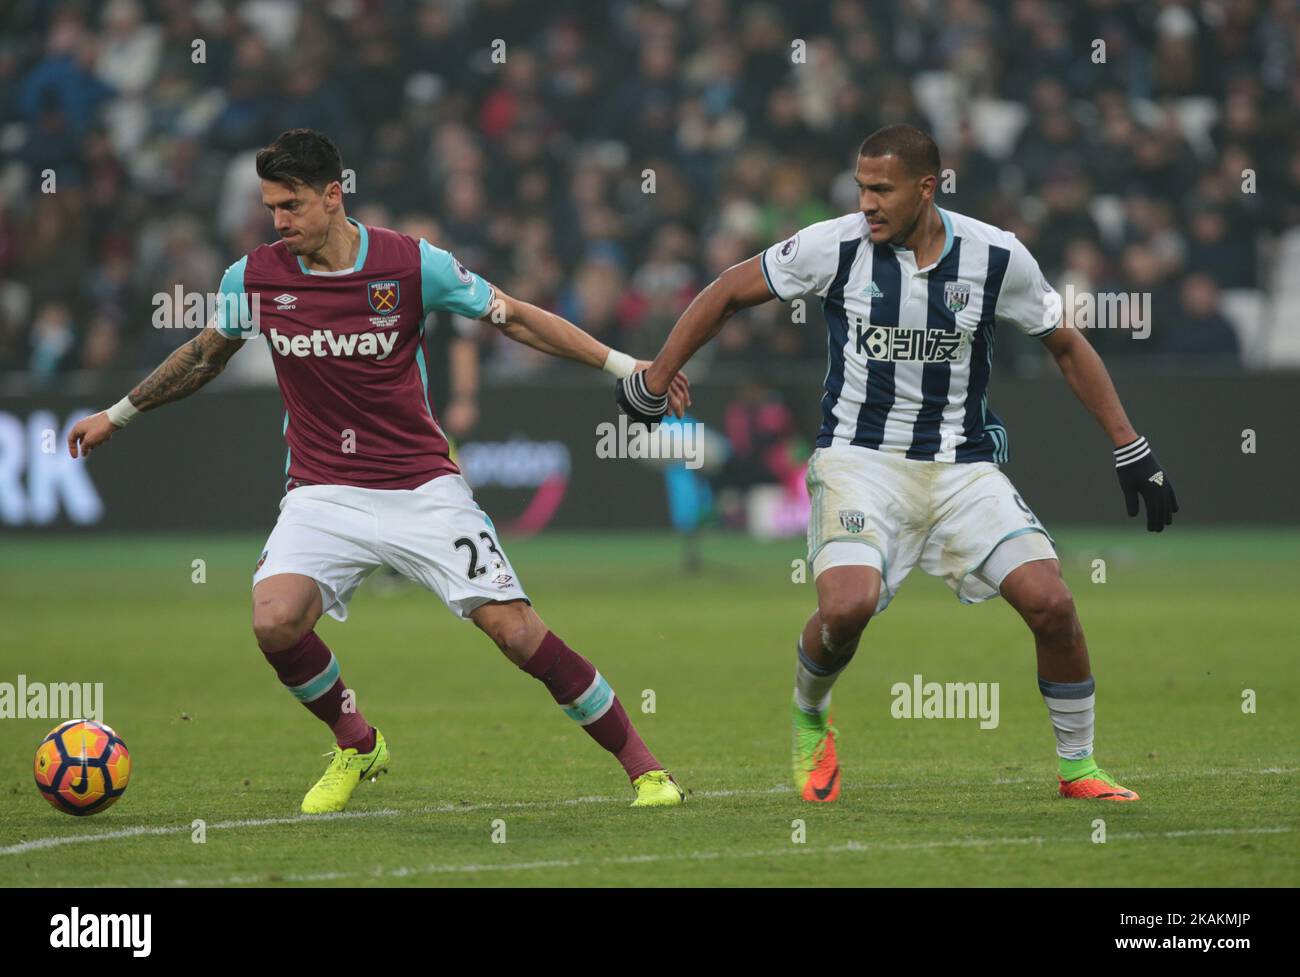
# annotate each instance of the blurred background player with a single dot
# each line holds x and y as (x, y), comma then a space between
(906, 465)
(369, 480)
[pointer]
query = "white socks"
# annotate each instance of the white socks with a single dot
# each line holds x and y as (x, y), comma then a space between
(812, 682)
(1072, 708)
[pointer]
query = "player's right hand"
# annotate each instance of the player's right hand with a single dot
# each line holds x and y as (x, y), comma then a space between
(90, 432)
(637, 402)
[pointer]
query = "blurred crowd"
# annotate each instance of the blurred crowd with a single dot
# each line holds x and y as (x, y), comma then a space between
(606, 159)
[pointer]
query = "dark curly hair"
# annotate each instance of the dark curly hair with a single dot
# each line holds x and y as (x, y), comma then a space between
(301, 156)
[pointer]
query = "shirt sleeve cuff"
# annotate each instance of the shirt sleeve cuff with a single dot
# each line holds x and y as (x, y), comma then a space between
(762, 260)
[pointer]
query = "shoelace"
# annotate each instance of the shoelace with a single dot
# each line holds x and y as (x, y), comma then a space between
(336, 770)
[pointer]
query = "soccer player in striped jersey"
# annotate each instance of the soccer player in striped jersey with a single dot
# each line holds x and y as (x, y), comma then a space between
(906, 465)
(369, 480)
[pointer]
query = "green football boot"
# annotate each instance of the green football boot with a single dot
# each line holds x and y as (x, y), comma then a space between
(347, 769)
(816, 762)
(657, 789)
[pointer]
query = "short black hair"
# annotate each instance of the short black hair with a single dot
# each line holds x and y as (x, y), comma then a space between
(918, 152)
(301, 156)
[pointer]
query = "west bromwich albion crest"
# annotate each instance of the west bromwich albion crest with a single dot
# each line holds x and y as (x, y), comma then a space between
(956, 295)
(853, 520)
(384, 296)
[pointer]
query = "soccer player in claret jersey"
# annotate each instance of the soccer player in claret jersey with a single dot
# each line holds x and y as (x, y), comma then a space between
(906, 465)
(369, 482)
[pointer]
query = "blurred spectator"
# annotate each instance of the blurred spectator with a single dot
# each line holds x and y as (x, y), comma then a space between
(766, 449)
(63, 82)
(1201, 329)
(52, 340)
(1213, 252)
(129, 49)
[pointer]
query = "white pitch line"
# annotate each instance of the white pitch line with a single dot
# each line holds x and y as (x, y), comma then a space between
(56, 841)
(851, 847)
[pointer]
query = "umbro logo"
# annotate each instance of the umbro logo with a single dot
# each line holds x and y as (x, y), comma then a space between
(873, 291)
(284, 301)
(1158, 478)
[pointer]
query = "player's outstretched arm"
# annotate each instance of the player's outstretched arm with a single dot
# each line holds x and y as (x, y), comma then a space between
(557, 336)
(645, 395)
(1139, 472)
(187, 369)
(739, 287)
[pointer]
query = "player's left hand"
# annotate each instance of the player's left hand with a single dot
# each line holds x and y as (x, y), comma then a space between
(1141, 475)
(679, 391)
(640, 404)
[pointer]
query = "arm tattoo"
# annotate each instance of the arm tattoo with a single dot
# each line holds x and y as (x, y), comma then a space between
(187, 369)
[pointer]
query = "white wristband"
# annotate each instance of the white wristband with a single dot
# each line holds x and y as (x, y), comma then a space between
(619, 364)
(1133, 451)
(122, 413)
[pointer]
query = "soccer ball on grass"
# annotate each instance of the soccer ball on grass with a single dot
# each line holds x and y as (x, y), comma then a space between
(82, 767)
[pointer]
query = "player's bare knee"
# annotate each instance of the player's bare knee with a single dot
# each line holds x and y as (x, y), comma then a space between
(1051, 613)
(512, 628)
(512, 637)
(276, 629)
(844, 617)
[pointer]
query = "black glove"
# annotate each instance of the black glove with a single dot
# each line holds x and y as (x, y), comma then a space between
(637, 402)
(1140, 474)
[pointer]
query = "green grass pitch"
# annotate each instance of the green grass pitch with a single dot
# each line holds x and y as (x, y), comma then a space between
(1183, 624)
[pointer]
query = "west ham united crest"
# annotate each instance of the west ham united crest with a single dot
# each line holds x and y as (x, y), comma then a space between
(384, 296)
(852, 520)
(956, 295)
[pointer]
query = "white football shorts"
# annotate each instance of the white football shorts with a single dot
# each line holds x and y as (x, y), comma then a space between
(435, 535)
(962, 522)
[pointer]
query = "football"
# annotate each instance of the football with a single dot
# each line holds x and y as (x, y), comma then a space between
(82, 767)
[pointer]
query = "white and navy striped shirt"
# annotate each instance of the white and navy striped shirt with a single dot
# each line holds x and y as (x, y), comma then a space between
(910, 350)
